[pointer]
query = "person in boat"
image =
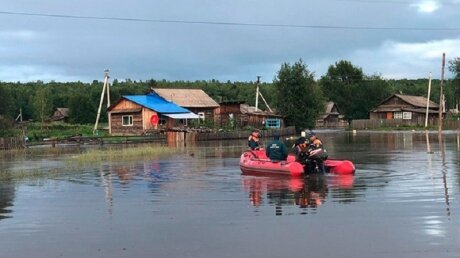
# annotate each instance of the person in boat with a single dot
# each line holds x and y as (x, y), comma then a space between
(316, 153)
(253, 140)
(300, 150)
(276, 150)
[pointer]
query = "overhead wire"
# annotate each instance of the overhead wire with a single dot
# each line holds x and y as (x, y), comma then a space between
(451, 3)
(222, 23)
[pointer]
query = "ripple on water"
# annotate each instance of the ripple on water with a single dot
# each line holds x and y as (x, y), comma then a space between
(401, 201)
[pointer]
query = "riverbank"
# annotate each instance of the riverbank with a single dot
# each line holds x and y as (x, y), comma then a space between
(170, 138)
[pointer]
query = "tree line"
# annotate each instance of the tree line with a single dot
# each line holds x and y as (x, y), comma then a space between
(294, 93)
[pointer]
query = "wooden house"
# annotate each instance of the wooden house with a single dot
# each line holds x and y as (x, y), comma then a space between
(229, 111)
(331, 117)
(195, 100)
(136, 114)
(405, 107)
(60, 114)
(244, 115)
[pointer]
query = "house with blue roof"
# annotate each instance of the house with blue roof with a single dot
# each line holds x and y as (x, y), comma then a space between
(136, 114)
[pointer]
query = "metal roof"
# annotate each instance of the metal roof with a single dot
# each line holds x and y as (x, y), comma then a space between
(156, 103)
(183, 116)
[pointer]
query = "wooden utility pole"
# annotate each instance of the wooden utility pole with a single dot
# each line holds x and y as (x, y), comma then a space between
(19, 117)
(428, 102)
(106, 86)
(257, 93)
(441, 93)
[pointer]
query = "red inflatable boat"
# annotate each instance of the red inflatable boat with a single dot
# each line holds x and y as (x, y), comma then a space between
(256, 162)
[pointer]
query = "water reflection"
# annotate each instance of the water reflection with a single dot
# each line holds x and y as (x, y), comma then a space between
(444, 172)
(308, 193)
(153, 172)
(7, 194)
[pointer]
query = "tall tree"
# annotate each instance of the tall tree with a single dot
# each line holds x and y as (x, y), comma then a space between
(454, 67)
(6, 121)
(81, 109)
(42, 103)
(5, 102)
(298, 97)
(354, 93)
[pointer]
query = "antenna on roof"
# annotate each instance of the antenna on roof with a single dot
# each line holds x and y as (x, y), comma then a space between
(106, 86)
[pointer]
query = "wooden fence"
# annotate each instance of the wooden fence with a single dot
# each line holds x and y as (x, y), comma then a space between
(10, 143)
(212, 136)
(170, 137)
(451, 125)
(363, 124)
(240, 134)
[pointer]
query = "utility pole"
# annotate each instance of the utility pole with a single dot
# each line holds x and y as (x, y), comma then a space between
(106, 79)
(106, 85)
(428, 102)
(441, 93)
(19, 117)
(257, 93)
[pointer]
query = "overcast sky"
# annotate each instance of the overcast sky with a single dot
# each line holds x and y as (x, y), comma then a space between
(69, 49)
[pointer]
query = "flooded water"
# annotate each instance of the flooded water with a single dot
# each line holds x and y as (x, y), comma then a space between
(402, 202)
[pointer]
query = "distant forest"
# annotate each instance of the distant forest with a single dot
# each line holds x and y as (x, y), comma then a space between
(347, 85)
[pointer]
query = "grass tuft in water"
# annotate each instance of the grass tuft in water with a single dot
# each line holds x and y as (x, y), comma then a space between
(122, 153)
(30, 174)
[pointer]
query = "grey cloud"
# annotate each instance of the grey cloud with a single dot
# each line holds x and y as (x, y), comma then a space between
(79, 48)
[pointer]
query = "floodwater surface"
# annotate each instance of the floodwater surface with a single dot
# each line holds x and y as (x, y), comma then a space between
(403, 201)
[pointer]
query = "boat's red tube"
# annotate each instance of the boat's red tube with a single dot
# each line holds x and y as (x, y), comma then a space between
(257, 162)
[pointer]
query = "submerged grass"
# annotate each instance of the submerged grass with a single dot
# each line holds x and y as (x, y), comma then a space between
(122, 153)
(85, 161)
(31, 174)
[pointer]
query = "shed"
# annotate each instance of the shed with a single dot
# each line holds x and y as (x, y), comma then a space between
(331, 117)
(60, 114)
(195, 100)
(136, 114)
(246, 115)
(405, 107)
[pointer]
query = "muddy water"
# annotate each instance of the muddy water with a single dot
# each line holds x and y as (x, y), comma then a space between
(402, 202)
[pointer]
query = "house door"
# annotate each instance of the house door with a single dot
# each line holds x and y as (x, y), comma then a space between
(389, 115)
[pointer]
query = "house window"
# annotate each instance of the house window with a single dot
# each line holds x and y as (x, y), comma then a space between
(407, 115)
(398, 115)
(201, 115)
(127, 120)
(273, 123)
(162, 120)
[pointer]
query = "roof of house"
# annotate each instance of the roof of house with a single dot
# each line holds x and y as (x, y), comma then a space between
(196, 98)
(60, 113)
(328, 111)
(329, 106)
(416, 101)
(250, 110)
(156, 103)
(63, 111)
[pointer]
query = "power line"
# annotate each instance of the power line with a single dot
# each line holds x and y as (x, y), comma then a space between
(329, 27)
(391, 2)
